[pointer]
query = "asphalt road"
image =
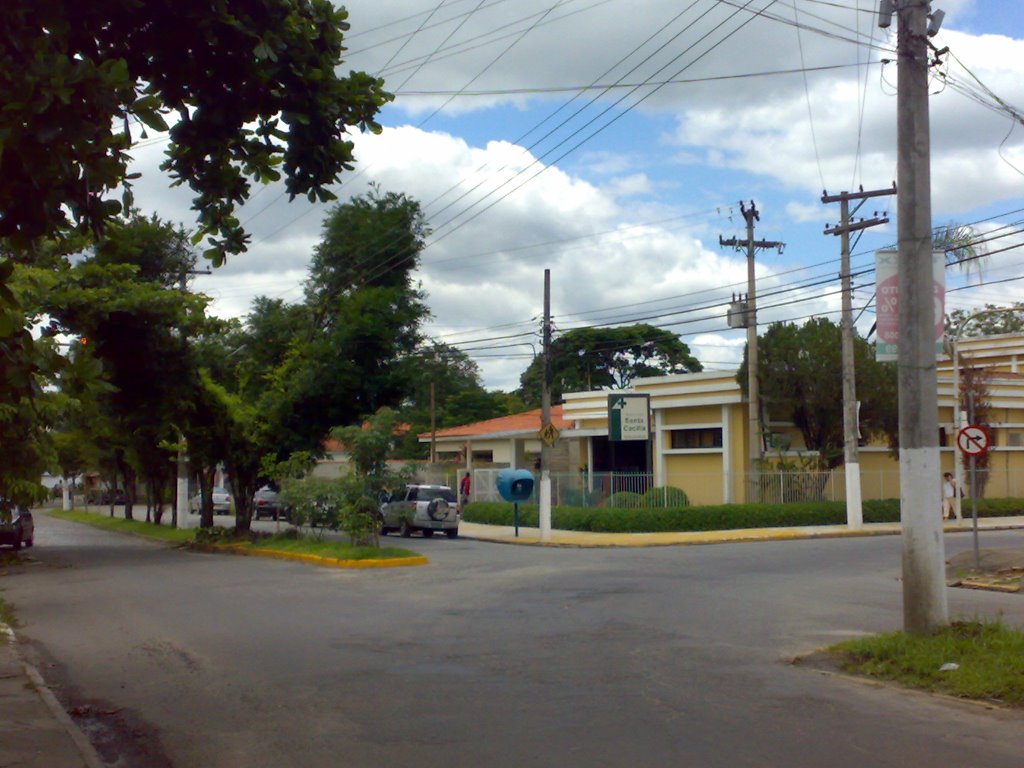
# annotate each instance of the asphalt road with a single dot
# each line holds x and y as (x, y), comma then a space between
(498, 655)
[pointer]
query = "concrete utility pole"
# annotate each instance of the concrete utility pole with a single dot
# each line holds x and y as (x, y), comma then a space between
(754, 435)
(851, 451)
(180, 516)
(545, 417)
(925, 604)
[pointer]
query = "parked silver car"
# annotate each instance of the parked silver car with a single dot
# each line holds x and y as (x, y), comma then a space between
(425, 508)
(221, 502)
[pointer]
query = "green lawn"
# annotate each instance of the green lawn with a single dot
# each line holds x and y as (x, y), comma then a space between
(990, 659)
(282, 542)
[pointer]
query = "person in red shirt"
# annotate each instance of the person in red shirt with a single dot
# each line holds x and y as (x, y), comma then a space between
(464, 487)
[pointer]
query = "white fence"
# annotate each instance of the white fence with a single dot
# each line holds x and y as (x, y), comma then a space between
(777, 487)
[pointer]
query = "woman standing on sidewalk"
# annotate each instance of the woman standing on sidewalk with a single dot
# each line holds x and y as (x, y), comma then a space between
(948, 496)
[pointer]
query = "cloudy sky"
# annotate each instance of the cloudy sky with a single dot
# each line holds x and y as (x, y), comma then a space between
(612, 142)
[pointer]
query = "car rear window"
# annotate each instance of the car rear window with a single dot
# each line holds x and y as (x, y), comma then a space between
(429, 494)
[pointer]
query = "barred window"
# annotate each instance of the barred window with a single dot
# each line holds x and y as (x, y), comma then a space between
(709, 437)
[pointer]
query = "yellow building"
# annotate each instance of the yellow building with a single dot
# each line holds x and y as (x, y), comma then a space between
(699, 442)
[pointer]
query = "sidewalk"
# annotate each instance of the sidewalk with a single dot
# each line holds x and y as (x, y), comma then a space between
(35, 731)
(531, 536)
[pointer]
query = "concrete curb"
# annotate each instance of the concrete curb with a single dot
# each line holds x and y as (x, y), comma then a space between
(330, 562)
(81, 742)
(588, 539)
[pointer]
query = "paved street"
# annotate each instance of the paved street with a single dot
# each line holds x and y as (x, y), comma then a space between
(497, 655)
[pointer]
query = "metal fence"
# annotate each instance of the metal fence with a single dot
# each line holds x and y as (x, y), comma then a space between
(637, 489)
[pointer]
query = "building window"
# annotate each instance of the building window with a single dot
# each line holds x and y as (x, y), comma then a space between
(709, 437)
(1015, 439)
(483, 457)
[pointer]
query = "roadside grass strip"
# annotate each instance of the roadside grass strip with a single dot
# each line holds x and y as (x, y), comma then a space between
(318, 552)
(982, 661)
(120, 525)
(285, 546)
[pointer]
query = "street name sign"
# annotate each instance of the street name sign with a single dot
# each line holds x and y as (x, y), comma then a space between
(629, 417)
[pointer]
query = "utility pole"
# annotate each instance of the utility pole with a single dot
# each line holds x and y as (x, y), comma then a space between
(545, 417)
(925, 604)
(433, 424)
(754, 432)
(180, 516)
(851, 451)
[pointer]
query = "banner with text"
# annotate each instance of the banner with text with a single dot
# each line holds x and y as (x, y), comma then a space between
(887, 303)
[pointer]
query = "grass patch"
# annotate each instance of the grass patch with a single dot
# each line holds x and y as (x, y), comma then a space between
(990, 658)
(283, 542)
(7, 614)
(336, 549)
(120, 525)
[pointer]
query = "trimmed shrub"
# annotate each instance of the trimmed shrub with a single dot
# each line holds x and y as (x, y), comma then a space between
(710, 518)
(666, 496)
(623, 500)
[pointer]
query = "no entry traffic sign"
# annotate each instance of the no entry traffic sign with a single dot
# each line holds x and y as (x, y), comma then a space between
(974, 440)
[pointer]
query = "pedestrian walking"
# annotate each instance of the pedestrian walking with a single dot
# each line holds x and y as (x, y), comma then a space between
(948, 496)
(464, 487)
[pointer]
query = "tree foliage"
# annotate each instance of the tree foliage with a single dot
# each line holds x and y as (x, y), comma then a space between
(800, 380)
(995, 321)
(246, 91)
(607, 358)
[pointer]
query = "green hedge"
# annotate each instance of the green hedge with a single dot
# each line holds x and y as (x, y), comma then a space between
(712, 518)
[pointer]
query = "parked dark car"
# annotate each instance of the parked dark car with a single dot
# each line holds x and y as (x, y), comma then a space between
(106, 496)
(266, 503)
(21, 529)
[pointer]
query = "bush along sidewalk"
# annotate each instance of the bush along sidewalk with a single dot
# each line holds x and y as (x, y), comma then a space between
(709, 518)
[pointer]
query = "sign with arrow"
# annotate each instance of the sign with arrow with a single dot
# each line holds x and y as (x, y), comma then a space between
(974, 440)
(629, 417)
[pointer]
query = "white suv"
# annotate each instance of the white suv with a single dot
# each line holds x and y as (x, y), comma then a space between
(425, 508)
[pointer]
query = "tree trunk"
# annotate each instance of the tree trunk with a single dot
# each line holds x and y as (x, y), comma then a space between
(206, 489)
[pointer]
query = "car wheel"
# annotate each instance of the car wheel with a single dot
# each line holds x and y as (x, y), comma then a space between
(17, 544)
(29, 543)
(428, 534)
(384, 531)
(452, 533)
(404, 530)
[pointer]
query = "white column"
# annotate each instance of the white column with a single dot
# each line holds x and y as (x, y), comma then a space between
(726, 455)
(66, 495)
(660, 470)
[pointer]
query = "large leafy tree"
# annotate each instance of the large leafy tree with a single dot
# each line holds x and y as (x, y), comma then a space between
(120, 297)
(458, 398)
(247, 92)
(800, 378)
(365, 313)
(607, 358)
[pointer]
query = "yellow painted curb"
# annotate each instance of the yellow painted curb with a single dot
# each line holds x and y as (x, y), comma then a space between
(330, 562)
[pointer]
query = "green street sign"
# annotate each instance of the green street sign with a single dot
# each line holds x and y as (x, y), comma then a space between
(629, 417)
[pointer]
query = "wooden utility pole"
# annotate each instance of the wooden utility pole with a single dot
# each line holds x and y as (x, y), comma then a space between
(851, 451)
(545, 417)
(754, 432)
(925, 605)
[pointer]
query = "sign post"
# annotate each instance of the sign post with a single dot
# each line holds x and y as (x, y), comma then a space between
(974, 441)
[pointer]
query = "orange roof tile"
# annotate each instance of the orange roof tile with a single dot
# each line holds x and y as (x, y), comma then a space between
(517, 422)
